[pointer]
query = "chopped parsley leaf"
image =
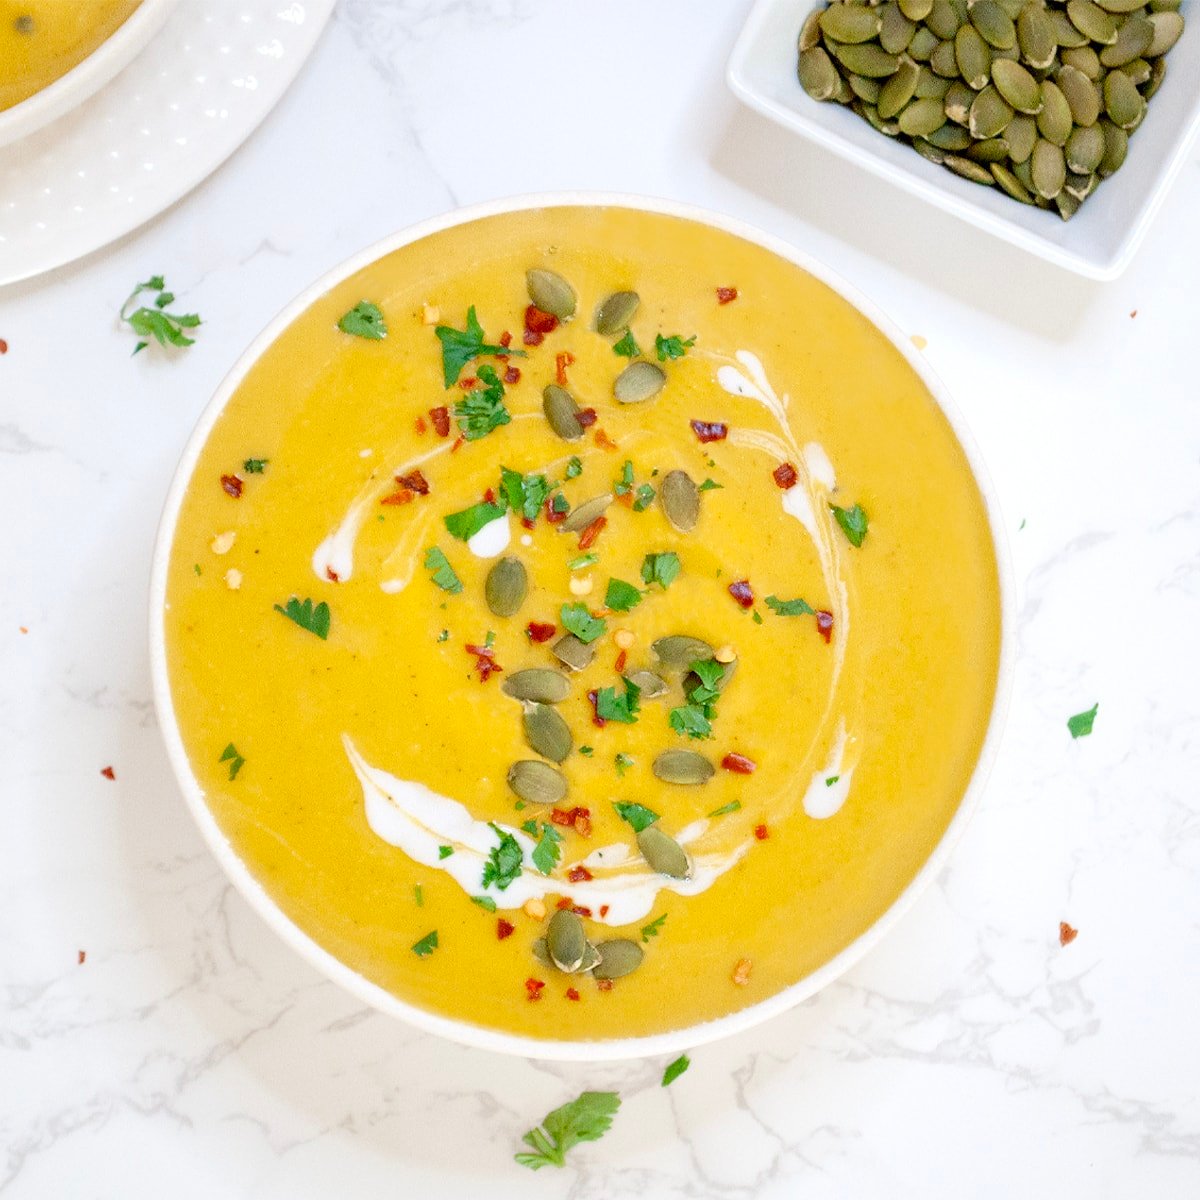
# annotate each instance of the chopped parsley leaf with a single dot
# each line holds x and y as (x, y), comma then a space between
(577, 620)
(624, 482)
(662, 568)
(418, 895)
(560, 503)
(725, 809)
(166, 328)
(627, 347)
(459, 346)
(314, 619)
(234, 759)
(574, 468)
(504, 860)
(364, 320)
(675, 1069)
(546, 852)
(466, 524)
(443, 576)
(611, 707)
(525, 493)
(584, 560)
(196, 568)
(853, 522)
(445, 851)
(654, 928)
(623, 763)
(690, 719)
(254, 466)
(1080, 724)
(484, 902)
(530, 827)
(621, 596)
(586, 751)
(757, 617)
(638, 816)
(789, 608)
(584, 1119)
(427, 945)
(482, 408)
(644, 498)
(830, 780)
(671, 347)
(444, 636)
(708, 485)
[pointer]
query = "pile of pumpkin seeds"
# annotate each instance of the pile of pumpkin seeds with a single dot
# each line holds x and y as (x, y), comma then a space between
(1036, 97)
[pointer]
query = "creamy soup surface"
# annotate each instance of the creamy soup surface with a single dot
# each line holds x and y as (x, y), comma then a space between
(365, 515)
(41, 40)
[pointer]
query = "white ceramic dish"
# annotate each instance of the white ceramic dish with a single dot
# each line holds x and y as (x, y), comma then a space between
(89, 76)
(1098, 242)
(371, 993)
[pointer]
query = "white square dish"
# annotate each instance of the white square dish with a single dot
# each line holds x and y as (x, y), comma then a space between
(1098, 242)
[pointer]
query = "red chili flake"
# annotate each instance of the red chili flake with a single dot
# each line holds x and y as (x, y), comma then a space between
(785, 475)
(739, 764)
(742, 592)
(604, 441)
(597, 719)
(537, 325)
(619, 665)
(604, 910)
(23, 628)
(506, 339)
(710, 431)
(440, 417)
(458, 441)
(605, 985)
(568, 816)
(489, 496)
(561, 363)
(540, 631)
(3, 346)
(553, 516)
(760, 832)
(399, 496)
(583, 823)
(726, 295)
(108, 773)
(563, 902)
(82, 957)
(419, 425)
(579, 875)
(233, 485)
(580, 911)
(534, 988)
(1066, 933)
(626, 498)
(485, 661)
(572, 994)
(467, 382)
(512, 375)
(526, 523)
(415, 481)
(504, 928)
(1131, 316)
(332, 575)
(588, 537)
(825, 625)
(586, 417)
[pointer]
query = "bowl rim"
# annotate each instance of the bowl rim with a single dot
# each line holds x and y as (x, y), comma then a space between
(89, 75)
(463, 1032)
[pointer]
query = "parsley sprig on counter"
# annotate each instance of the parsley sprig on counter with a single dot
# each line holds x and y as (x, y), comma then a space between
(584, 1119)
(154, 321)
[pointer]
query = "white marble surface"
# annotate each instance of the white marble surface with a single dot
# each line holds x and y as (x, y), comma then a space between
(191, 1055)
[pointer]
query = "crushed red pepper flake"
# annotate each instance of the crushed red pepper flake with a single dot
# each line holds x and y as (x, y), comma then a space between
(467, 382)
(580, 911)
(533, 988)
(739, 764)
(579, 875)
(332, 575)
(108, 773)
(440, 417)
(605, 985)
(82, 957)
(587, 539)
(594, 699)
(553, 516)
(622, 659)
(233, 484)
(586, 417)
(710, 431)
(563, 902)
(583, 823)
(489, 496)
(726, 295)
(572, 994)
(568, 816)
(742, 592)
(785, 475)
(512, 375)
(505, 339)
(415, 481)
(604, 910)
(1066, 933)
(526, 523)
(540, 631)
(825, 625)
(504, 928)
(3, 346)
(604, 441)
(23, 628)
(458, 441)
(399, 496)
(485, 661)
(420, 426)
(561, 362)
(761, 832)
(537, 325)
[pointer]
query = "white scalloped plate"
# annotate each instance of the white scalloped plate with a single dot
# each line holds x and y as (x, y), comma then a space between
(163, 125)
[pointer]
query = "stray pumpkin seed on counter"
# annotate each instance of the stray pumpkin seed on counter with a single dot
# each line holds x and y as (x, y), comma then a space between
(522, 750)
(1035, 97)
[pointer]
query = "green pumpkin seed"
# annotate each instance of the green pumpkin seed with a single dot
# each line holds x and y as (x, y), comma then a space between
(551, 293)
(639, 381)
(1024, 173)
(1138, 71)
(664, 854)
(870, 114)
(943, 61)
(849, 23)
(615, 312)
(993, 24)
(1122, 101)
(989, 114)
(898, 90)
(929, 86)
(973, 57)
(921, 117)
(950, 137)
(867, 59)
(1167, 27)
(943, 21)
(958, 101)
(1054, 121)
(617, 957)
(1134, 39)
(895, 29)
(562, 413)
(1121, 6)
(1085, 59)
(506, 586)
(1018, 87)
(536, 782)
(993, 150)
(969, 170)
(680, 500)
(651, 686)
(684, 767)
(922, 45)
(1158, 71)
(1116, 145)
(539, 951)
(1065, 32)
(1066, 204)
(573, 653)
(1085, 149)
(810, 31)
(566, 941)
(542, 684)
(929, 150)
(818, 76)
(546, 732)
(1020, 136)
(1165, 5)
(679, 651)
(1080, 184)
(845, 93)
(1035, 34)
(916, 10)
(1082, 95)
(864, 88)
(1049, 168)
(582, 515)
(1092, 21)
(1010, 184)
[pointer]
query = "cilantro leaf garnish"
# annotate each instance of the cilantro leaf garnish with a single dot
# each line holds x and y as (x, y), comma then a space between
(577, 620)
(638, 816)
(789, 608)
(627, 347)
(757, 617)
(548, 849)
(621, 596)
(583, 560)
(236, 761)
(504, 861)
(623, 763)
(1080, 724)
(611, 707)
(255, 466)
(624, 482)
(445, 851)
(459, 346)
(418, 895)
(654, 928)
(586, 751)
(853, 522)
(662, 568)
(585, 1119)
(644, 498)
(364, 320)
(466, 524)
(675, 1069)
(830, 780)
(574, 468)
(710, 673)
(444, 575)
(690, 719)
(708, 485)
(671, 347)
(166, 328)
(484, 902)
(725, 809)
(525, 493)
(314, 619)
(482, 408)
(427, 945)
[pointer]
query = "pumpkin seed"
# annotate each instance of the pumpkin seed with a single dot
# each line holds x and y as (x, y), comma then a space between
(969, 170)
(679, 651)
(1024, 173)
(942, 20)
(1167, 28)
(895, 29)
(1082, 95)
(921, 117)
(1092, 21)
(664, 854)
(1049, 168)
(994, 25)
(1054, 121)
(922, 44)
(871, 115)
(1085, 149)
(562, 413)
(582, 515)
(958, 101)
(1017, 86)
(1158, 71)
(864, 88)
(993, 150)
(615, 312)
(1066, 204)
(682, 767)
(810, 31)
(845, 93)
(1134, 39)
(1020, 136)
(1116, 145)
(943, 61)
(1010, 184)
(680, 499)
(1035, 34)
(850, 23)
(546, 732)
(1165, 5)
(929, 85)
(818, 76)
(1138, 71)
(1065, 32)
(1122, 101)
(1085, 59)
(551, 293)
(973, 57)
(540, 952)
(652, 686)
(639, 381)
(1080, 184)
(916, 10)
(867, 59)
(573, 653)
(898, 90)
(536, 782)
(506, 586)
(542, 684)
(989, 114)
(950, 137)
(566, 941)
(928, 150)
(617, 957)
(1121, 6)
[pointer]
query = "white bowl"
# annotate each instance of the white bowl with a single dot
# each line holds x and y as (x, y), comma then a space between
(1098, 241)
(371, 993)
(89, 76)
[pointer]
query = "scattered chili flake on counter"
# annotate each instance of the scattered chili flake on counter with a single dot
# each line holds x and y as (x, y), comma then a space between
(533, 988)
(561, 363)
(742, 592)
(739, 764)
(232, 485)
(825, 625)
(710, 431)
(761, 832)
(82, 957)
(504, 929)
(108, 773)
(785, 475)
(540, 631)
(440, 417)
(726, 295)
(3, 346)
(1066, 933)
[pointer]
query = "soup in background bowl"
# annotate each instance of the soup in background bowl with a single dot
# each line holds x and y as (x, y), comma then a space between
(578, 627)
